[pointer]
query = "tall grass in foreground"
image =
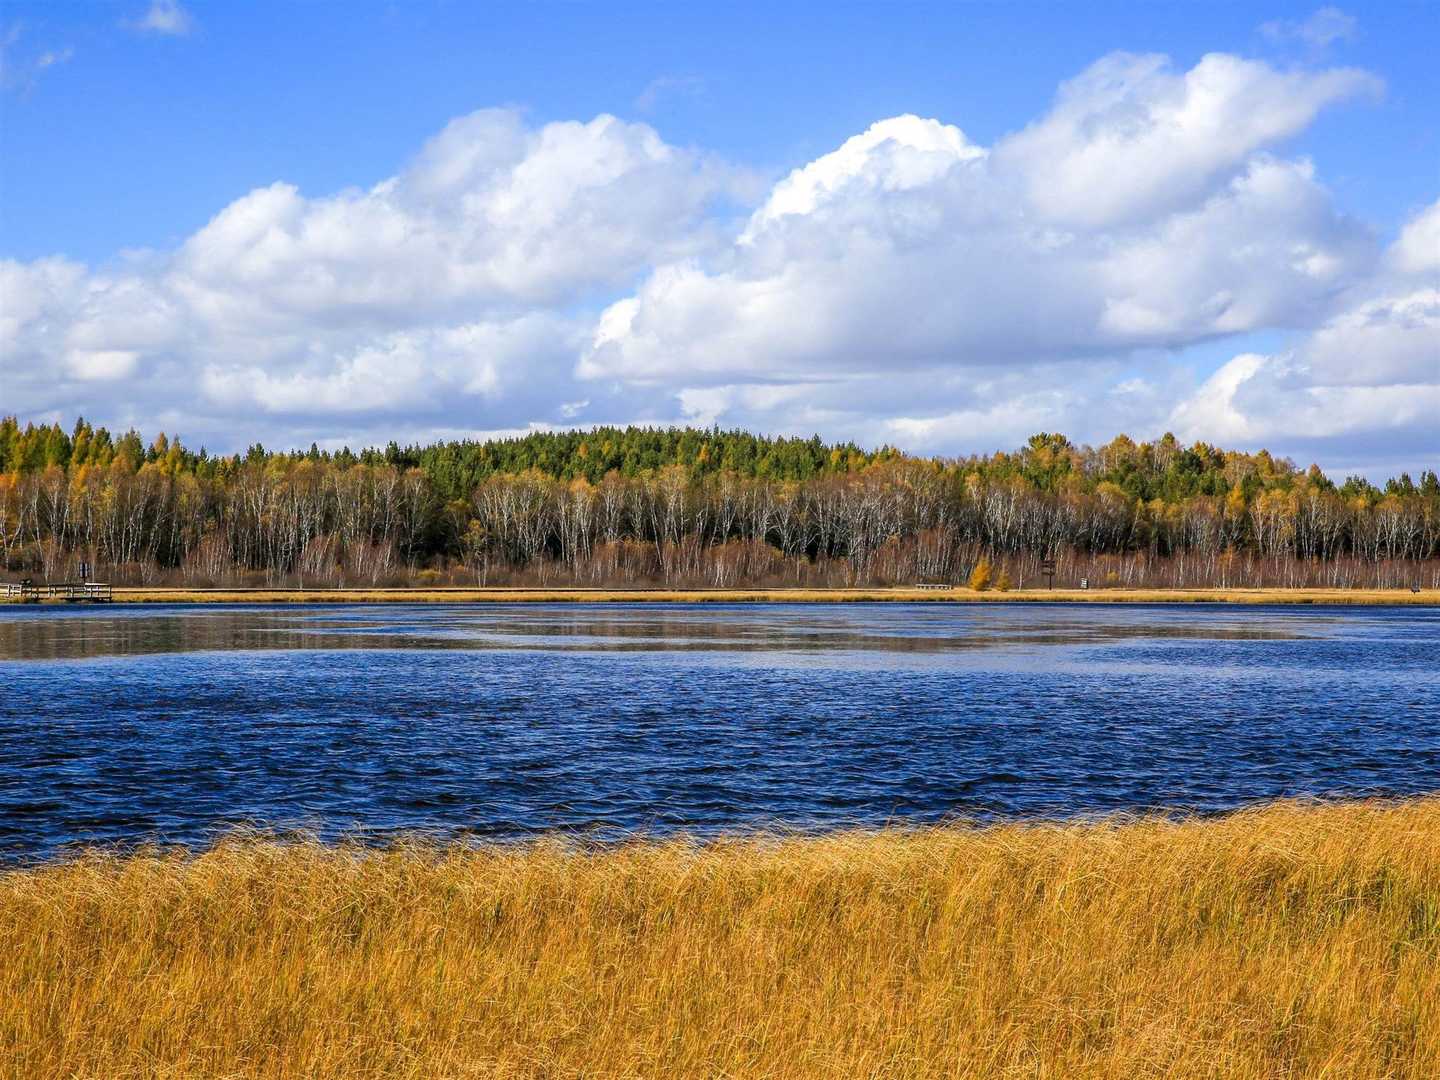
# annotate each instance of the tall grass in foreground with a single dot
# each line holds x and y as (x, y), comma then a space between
(1287, 941)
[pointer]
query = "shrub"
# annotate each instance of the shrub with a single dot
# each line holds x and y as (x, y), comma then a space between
(980, 576)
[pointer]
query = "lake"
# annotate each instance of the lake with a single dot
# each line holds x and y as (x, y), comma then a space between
(501, 721)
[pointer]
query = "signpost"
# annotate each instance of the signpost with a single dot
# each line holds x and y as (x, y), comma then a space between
(1048, 569)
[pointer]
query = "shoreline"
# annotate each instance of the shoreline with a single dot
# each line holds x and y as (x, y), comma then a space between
(957, 595)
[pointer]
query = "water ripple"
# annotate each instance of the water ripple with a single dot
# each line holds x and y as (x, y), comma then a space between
(172, 723)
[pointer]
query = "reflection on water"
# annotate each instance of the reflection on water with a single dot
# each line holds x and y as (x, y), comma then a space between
(134, 632)
(505, 720)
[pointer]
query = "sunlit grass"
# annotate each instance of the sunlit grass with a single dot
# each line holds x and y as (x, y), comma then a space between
(1290, 941)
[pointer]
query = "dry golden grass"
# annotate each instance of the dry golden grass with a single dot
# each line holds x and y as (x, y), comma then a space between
(788, 596)
(1289, 941)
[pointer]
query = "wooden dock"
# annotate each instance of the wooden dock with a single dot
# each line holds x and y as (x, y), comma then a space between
(72, 592)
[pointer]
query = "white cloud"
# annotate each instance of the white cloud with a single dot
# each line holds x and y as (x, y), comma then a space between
(490, 215)
(946, 412)
(1418, 249)
(912, 153)
(666, 87)
(1366, 379)
(456, 289)
(1130, 139)
(1321, 30)
(410, 371)
(31, 290)
(1387, 340)
(910, 287)
(1143, 211)
(51, 57)
(165, 17)
(1273, 401)
(20, 69)
(98, 365)
(1212, 414)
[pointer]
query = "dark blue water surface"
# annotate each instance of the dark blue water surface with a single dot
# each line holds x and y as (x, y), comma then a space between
(171, 723)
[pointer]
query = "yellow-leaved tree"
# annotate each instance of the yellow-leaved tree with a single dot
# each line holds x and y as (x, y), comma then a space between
(980, 576)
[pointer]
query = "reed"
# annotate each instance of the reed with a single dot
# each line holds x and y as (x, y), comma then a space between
(1288, 941)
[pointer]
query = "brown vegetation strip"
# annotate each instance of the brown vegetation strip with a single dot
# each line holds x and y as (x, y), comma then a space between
(1288, 941)
(1367, 597)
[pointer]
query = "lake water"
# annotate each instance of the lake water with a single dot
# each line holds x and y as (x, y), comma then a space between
(170, 723)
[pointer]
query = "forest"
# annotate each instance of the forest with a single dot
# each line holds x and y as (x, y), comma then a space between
(697, 508)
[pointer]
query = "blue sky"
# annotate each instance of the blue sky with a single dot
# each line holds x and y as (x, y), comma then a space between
(126, 128)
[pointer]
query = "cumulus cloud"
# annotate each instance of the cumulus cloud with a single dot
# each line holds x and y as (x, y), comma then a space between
(1418, 248)
(1365, 383)
(490, 213)
(1145, 211)
(1274, 401)
(459, 282)
(911, 286)
(901, 154)
(1130, 139)
(477, 362)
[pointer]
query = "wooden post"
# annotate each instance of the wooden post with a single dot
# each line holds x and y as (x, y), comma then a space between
(1048, 569)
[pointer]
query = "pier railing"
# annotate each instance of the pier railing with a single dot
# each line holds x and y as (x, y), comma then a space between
(94, 592)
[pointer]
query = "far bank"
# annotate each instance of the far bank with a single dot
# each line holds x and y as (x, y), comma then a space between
(956, 595)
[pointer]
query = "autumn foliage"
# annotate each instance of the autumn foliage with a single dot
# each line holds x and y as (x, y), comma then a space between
(707, 509)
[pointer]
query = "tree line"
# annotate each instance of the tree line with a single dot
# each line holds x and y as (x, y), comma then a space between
(696, 507)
